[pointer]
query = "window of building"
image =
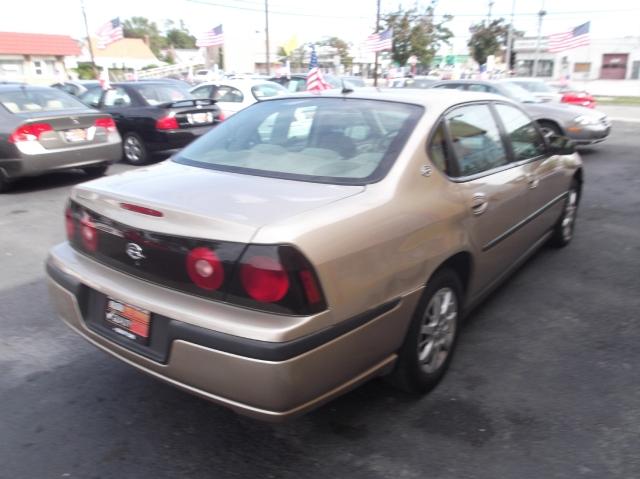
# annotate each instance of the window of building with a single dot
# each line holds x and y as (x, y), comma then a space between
(582, 67)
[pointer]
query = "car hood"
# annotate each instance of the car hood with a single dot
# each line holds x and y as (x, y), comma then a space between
(559, 111)
(202, 203)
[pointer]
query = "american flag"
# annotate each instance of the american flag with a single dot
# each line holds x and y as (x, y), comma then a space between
(315, 81)
(378, 42)
(211, 38)
(110, 32)
(578, 37)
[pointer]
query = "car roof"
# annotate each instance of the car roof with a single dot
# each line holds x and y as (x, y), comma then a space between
(239, 82)
(23, 86)
(429, 98)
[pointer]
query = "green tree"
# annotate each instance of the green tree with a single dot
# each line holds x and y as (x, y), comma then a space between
(489, 38)
(341, 47)
(141, 27)
(416, 32)
(179, 36)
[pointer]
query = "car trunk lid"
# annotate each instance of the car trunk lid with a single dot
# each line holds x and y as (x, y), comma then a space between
(67, 128)
(202, 203)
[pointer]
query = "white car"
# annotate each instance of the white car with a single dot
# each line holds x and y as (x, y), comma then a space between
(235, 95)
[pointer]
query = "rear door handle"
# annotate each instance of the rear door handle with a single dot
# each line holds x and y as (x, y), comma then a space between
(479, 203)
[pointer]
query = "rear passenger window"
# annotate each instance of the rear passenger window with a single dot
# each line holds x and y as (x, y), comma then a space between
(476, 87)
(116, 97)
(477, 145)
(525, 139)
(438, 149)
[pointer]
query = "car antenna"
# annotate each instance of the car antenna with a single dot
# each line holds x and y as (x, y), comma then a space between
(345, 88)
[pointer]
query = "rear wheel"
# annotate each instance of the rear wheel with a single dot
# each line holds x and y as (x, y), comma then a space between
(134, 150)
(563, 230)
(428, 347)
(5, 184)
(96, 171)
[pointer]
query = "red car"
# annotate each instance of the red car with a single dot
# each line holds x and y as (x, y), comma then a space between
(574, 96)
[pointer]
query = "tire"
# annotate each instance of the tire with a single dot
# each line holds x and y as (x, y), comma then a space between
(564, 227)
(5, 184)
(549, 127)
(419, 369)
(134, 150)
(96, 171)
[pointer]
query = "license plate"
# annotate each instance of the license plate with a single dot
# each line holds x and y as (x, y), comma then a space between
(198, 118)
(129, 321)
(78, 134)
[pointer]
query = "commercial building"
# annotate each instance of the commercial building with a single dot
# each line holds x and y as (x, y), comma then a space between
(605, 59)
(36, 58)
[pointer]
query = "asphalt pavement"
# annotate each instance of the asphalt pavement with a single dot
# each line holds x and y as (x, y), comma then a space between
(545, 382)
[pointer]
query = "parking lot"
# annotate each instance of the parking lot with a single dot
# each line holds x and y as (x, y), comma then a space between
(544, 383)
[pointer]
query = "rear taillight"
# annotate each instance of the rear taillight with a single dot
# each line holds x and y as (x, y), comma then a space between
(264, 279)
(277, 278)
(89, 234)
(29, 132)
(167, 123)
(106, 123)
(221, 116)
(69, 223)
(205, 268)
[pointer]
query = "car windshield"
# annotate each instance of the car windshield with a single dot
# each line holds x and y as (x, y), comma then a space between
(534, 86)
(328, 140)
(267, 90)
(517, 93)
(23, 100)
(157, 93)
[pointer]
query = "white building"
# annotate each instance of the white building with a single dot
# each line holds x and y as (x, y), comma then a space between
(607, 59)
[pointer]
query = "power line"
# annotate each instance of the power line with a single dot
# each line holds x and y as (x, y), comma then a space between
(367, 17)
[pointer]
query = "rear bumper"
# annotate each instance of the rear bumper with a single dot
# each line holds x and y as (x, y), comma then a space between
(48, 161)
(163, 141)
(264, 379)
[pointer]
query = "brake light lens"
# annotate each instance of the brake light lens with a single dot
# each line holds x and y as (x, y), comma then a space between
(89, 234)
(69, 223)
(106, 123)
(167, 123)
(221, 116)
(141, 209)
(264, 279)
(29, 132)
(205, 268)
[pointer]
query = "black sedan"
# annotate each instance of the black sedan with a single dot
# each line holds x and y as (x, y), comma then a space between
(154, 116)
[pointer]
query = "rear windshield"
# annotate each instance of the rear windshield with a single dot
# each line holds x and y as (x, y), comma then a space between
(155, 93)
(23, 100)
(328, 140)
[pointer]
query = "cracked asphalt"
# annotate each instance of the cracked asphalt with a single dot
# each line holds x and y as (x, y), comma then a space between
(545, 382)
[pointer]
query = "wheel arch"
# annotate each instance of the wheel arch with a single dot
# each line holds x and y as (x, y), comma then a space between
(548, 121)
(462, 264)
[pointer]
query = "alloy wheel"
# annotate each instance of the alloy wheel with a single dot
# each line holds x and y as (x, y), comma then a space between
(569, 216)
(133, 149)
(437, 330)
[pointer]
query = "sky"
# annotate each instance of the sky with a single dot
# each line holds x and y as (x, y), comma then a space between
(352, 20)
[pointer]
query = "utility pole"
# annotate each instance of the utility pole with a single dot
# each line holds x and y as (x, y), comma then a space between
(510, 37)
(86, 29)
(375, 69)
(536, 59)
(491, 2)
(266, 33)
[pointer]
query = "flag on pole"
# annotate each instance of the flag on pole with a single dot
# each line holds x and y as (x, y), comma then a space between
(104, 79)
(578, 37)
(378, 42)
(211, 37)
(315, 80)
(110, 32)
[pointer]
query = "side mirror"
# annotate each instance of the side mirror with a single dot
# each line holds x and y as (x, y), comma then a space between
(560, 145)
